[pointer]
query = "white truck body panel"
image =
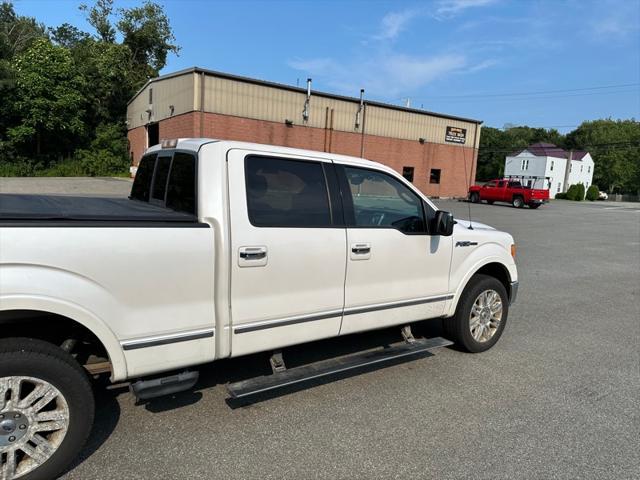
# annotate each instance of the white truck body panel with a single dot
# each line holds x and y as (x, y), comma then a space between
(165, 298)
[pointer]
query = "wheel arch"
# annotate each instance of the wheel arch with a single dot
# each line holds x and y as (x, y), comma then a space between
(51, 319)
(492, 267)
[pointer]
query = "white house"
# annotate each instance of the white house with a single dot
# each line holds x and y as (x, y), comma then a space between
(548, 160)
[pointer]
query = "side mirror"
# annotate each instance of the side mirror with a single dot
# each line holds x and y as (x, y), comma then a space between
(443, 224)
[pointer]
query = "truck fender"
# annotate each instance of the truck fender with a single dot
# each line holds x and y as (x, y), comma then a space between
(39, 287)
(475, 264)
(78, 314)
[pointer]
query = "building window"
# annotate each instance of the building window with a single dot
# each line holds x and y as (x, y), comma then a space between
(525, 164)
(434, 176)
(559, 186)
(150, 96)
(589, 169)
(581, 167)
(407, 172)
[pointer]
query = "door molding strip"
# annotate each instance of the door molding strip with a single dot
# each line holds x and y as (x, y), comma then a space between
(311, 317)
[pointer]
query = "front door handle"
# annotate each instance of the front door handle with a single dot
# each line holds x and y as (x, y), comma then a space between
(360, 251)
(252, 256)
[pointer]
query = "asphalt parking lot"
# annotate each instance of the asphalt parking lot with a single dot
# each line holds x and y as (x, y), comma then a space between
(558, 397)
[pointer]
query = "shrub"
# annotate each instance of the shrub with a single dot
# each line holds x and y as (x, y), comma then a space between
(572, 192)
(561, 196)
(576, 192)
(107, 154)
(593, 193)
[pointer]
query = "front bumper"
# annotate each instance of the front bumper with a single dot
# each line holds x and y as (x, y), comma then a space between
(513, 292)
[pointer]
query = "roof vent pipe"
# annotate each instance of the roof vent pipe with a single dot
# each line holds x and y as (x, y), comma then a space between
(360, 108)
(305, 111)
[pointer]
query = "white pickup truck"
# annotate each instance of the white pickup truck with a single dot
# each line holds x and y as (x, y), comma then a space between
(223, 249)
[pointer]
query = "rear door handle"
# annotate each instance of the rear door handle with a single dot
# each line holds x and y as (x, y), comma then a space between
(252, 256)
(360, 251)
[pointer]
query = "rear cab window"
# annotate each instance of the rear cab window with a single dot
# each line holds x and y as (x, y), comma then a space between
(167, 179)
(286, 193)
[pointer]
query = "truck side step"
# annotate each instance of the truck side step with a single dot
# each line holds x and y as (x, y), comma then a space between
(325, 368)
(157, 387)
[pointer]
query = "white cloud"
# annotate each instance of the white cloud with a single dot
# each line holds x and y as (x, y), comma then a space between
(395, 22)
(387, 75)
(617, 19)
(451, 8)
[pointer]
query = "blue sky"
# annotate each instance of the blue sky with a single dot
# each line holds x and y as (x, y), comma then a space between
(502, 61)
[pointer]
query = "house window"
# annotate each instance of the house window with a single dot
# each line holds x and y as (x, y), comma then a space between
(559, 187)
(589, 169)
(434, 176)
(581, 167)
(525, 164)
(150, 96)
(407, 172)
(552, 165)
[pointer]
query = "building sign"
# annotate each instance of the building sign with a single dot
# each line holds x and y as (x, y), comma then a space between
(456, 135)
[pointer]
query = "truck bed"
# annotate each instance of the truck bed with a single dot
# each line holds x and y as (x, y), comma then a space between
(22, 209)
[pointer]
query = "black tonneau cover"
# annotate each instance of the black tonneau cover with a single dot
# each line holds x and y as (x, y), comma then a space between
(27, 208)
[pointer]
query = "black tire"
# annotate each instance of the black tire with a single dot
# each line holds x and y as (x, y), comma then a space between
(534, 205)
(474, 197)
(517, 202)
(490, 202)
(44, 361)
(457, 328)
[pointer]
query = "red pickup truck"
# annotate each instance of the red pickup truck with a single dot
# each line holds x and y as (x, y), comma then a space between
(510, 191)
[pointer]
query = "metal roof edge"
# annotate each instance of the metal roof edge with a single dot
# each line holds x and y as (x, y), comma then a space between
(162, 77)
(283, 86)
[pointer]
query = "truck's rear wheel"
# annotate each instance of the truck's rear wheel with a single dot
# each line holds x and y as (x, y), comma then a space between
(46, 409)
(517, 202)
(474, 197)
(481, 314)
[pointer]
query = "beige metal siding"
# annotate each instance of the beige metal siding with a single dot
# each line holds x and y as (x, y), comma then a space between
(265, 102)
(260, 102)
(177, 91)
(387, 122)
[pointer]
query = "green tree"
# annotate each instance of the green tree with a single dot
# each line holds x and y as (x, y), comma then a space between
(147, 33)
(615, 148)
(496, 145)
(48, 98)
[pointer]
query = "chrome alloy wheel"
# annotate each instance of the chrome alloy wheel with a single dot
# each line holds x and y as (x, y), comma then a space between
(485, 316)
(34, 419)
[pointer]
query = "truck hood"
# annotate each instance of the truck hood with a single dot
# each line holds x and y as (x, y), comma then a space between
(476, 225)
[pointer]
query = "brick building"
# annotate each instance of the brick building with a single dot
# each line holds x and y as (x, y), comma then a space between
(436, 152)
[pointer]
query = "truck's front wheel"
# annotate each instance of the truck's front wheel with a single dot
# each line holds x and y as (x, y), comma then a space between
(46, 409)
(481, 314)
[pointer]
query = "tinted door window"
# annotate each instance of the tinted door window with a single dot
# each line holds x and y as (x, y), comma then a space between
(142, 184)
(181, 189)
(379, 200)
(286, 193)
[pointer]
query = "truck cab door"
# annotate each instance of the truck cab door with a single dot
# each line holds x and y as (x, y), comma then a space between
(488, 191)
(502, 192)
(396, 272)
(288, 244)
